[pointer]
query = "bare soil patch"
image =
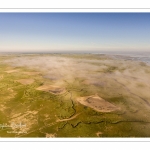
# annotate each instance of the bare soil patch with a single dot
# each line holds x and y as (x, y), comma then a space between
(48, 135)
(25, 81)
(52, 89)
(98, 133)
(97, 103)
(12, 71)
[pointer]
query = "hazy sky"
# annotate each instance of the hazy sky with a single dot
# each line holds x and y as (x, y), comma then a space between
(74, 32)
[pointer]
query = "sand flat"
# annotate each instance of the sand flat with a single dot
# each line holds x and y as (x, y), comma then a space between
(97, 103)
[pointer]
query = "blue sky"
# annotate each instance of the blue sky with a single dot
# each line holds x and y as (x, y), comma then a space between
(89, 32)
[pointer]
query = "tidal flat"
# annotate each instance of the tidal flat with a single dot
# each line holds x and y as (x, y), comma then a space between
(73, 95)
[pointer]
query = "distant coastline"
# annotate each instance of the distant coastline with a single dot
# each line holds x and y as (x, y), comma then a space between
(135, 56)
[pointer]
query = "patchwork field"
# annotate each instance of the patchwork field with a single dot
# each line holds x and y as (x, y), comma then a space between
(73, 95)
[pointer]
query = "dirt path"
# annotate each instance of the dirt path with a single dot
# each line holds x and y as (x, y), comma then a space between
(73, 117)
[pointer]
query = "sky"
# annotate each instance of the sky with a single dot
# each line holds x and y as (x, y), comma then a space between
(87, 32)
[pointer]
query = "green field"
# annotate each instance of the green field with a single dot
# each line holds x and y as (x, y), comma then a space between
(26, 111)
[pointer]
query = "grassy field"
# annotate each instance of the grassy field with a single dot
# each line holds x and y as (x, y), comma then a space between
(26, 111)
